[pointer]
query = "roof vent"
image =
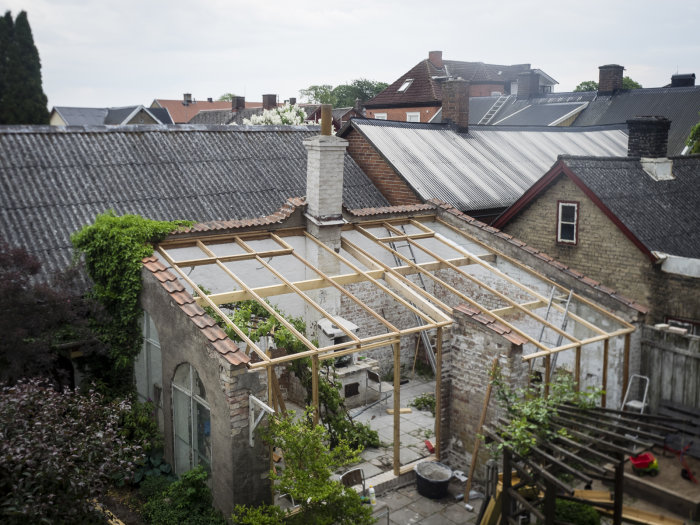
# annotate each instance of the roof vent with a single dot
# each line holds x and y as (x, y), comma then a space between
(683, 80)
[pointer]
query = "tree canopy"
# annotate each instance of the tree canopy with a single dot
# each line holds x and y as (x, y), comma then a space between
(592, 85)
(693, 141)
(343, 95)
(226, 97)
(22, 98)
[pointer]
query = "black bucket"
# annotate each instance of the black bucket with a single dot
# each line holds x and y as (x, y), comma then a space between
(432, 479)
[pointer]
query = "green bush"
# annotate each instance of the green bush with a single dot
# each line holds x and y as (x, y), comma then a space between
(424, 402)
(262, 515)
(186, 501)
(576, 513)
(153, 486)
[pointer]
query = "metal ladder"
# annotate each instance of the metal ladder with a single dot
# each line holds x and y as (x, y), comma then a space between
(424, 335)
(636, 404)
(493, 110)
(564, 322)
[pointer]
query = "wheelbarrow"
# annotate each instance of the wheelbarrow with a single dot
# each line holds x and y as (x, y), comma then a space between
(644, 463)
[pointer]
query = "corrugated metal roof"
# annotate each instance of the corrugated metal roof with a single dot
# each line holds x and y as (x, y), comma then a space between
(54, 180)
(489, 167)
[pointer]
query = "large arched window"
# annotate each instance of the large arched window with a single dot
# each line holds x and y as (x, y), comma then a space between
(191, 420)
(148, 369)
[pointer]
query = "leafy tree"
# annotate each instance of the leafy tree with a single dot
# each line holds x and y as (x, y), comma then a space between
(22, 98)
(226, 97)
(58, 450)
(587, 85)
(37, 317)
(343, 95)
(592, 85)
(309, 463)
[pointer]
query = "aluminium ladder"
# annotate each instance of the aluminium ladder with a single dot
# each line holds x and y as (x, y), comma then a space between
(564, 322)
(488, 117)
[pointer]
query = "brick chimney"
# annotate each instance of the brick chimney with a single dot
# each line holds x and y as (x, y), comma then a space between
(292, 101)
(187, 99)
(683, 80)
(435, 58)
(269, 101)
(648, 136)
(610, 78)
(238, 103)
(528, 85)
(455, 104)
(324, 182)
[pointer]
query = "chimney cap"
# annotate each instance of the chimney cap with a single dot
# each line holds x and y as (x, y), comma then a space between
(611, 66)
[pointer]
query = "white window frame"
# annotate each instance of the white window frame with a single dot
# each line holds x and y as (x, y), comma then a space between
(380, 116)
(195, 457)
(413, 116)
(406, 84)
(560, 222)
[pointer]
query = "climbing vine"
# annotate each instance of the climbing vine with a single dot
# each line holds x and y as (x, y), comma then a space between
(256, 322)
(113, 248)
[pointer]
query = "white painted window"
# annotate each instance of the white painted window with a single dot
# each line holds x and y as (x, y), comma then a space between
(380, 116)
(191, 421)
(413, 116)
(148, 369)
(567, 222)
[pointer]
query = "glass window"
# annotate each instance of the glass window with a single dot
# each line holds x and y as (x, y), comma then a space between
(413, 116)
(406, 84)
(191, 420)
(567, 223)
(148, 370)
(380, 116)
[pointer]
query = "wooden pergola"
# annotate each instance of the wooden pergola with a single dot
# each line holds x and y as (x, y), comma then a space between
(379, 261)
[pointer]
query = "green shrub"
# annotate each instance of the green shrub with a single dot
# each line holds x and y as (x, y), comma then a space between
(139, 425)
(424, 402)
(186, 501)
(576, 513)
(153, 486)
(261, 515)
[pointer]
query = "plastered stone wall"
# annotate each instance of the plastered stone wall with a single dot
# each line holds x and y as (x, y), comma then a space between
(239, 473)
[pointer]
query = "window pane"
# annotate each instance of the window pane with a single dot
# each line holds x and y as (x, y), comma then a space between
(199, 386)
(182, 377)
(182, 428)
(203, 436)
(567, 232)
(568, 213)
(141, 373)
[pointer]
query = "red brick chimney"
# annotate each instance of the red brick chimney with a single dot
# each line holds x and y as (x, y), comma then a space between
(648, 136)
(455, 104)
(528, 85)
(269, 101)
(435, 58)
(610, 78)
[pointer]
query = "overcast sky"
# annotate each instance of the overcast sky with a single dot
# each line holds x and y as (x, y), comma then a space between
(101, 53)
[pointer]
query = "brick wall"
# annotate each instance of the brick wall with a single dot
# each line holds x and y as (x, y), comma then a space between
(392, 186)
(648, 136)
(603, 252)
(610, 78)
(426, 113)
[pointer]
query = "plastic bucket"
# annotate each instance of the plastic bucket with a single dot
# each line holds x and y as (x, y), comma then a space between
(432, 479)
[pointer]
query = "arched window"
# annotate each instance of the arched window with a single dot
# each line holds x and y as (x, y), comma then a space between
(191, 420)
(148, 369)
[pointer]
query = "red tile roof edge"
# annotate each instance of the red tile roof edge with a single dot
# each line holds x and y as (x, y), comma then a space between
(202, 321)
(409, 208)
(541, 255)
(490, 322)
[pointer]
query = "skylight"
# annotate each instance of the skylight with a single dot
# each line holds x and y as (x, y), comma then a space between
(406, 84)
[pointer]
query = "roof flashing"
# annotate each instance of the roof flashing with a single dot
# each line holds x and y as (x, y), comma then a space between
(659, 169)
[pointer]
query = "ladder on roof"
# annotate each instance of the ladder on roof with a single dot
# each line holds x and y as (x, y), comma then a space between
(425, 335)
(486, 119)
(564, 322)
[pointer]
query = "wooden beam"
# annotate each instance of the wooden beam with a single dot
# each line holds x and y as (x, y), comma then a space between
(625, 369)
(314, 387)
(438, 393)
(397, 408)
(604, 398)
(188, 263)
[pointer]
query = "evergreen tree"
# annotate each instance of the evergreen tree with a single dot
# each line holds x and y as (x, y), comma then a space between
(22, 98)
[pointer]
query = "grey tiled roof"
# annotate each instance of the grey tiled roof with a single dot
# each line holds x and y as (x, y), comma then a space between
(54, 180)
(663, 215)
(213, 117)
(489, 167)
(82, 116)
(680, 105)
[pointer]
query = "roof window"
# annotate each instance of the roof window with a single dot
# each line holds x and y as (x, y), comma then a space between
(406, 84)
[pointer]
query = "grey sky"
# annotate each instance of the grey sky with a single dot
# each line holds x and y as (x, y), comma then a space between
(101, 53)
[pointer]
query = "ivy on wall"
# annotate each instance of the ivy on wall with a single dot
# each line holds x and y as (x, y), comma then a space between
(113, 248)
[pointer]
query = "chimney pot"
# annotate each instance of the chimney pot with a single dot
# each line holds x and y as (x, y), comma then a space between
(455, 104)
(610, 78)
(238, 103)
(435, 58)
(648, 136)
(269, 101)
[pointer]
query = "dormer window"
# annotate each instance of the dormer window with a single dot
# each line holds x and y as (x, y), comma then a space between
(567, 222)
(406, 84)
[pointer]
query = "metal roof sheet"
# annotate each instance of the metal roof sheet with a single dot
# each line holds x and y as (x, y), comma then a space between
(489, 167)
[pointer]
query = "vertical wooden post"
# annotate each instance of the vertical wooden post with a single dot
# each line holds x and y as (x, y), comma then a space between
(438, 393)
(606, 350)
(625, 369)
(397, 408)
(507, 482)
(577, 369)
(550, 502)
(314, 387)
(547, 372)
(619, 490)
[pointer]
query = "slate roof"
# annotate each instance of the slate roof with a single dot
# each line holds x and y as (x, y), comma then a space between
(73, 116)
(54, 180)
(427, 90)
(664, 215)
(680, 105)
(489, 167)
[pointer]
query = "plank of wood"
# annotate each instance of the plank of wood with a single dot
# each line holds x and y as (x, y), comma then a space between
(401, 410)
(642, 517)
(602, 496)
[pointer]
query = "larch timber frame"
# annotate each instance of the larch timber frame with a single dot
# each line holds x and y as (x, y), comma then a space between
(434, 314)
